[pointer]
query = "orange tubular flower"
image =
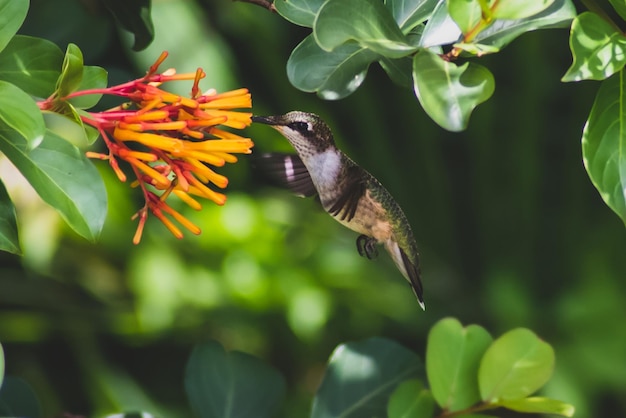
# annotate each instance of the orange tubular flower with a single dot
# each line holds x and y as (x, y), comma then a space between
(169, 140)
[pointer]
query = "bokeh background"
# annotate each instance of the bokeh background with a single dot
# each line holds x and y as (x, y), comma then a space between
(510, 229)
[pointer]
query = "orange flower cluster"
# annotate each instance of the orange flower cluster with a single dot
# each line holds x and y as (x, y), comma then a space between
(169, 142)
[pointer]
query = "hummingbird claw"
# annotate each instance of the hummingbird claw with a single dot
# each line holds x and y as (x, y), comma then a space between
(366, 246)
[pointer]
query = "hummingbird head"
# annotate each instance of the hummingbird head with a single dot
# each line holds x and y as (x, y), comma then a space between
(307, 132)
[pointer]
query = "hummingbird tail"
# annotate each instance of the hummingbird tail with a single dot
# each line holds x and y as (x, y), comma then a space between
(409, 270)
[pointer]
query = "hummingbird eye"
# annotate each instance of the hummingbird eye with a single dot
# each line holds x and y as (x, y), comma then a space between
(302, 127)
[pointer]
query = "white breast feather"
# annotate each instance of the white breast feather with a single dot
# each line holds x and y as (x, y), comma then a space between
(326, 165)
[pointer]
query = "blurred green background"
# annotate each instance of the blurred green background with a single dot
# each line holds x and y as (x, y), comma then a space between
(511, 231)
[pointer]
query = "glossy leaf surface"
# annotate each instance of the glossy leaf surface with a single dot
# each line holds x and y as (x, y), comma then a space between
(514, 366)
(8, 234)
(411, 400)
(333, 75)
(410, 13)
(63, 177)
(520, 9)
(598, 49)
(12, 15)
(447, 92)
(539, 405)
(453, 355)
(466, 14)
(72, 71)
(368, 22)
(299, 12)
(604, 143)
(222, 384)
(93, 78)
(440, 29)
(18, 111)
(361, 376)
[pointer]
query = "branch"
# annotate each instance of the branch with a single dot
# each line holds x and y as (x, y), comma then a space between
(266, 4)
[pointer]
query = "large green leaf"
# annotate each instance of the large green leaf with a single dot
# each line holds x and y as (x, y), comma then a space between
(620, 7)
(410, 13)
(519, 9)
(411, 400)
(604, 143)
(134, 16)
(453, 355)
(299, 12)
(92, 78)
(231, 385)
(361, 376)
(447, 92)
(9, 240)
(63, 177)
(333, 75)
(539, 405)
(514, 366)
(440, 28)
(598, 49)
(17, 399)
(466, 14)
(71, 72)
(19, 112)
(12, 15)
(32, 64)
(503, 31)
(368, 22)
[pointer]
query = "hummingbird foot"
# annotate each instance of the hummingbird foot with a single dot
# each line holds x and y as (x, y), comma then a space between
(367, 246)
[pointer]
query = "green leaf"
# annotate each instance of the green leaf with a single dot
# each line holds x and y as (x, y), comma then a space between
(411, 400)
(514, 366)
(620, 7)
(598, 49)
(440, 28)
(12, 15)
(72, 71)
(604, 143)
(503, 31)
(93, 78)
(68, 128)
(466, 13)
(361, 376)
(368, 22)
(134, 16)
(32, 64)
(539, 405)
(519, 9)
(447, 92)
(299, 12)
(17, 399)
(333, 75)
(400, 70)
(9, 240)
(229, 385)
(63, 177)
(410, 13)
(20, 112)
(453, 355)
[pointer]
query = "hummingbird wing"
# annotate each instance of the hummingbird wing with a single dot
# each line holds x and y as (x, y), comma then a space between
(287, 171)
(353, 189)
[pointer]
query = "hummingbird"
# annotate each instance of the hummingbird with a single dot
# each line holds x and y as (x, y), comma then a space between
(347, 192)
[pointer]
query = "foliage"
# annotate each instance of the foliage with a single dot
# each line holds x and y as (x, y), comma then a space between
(467, 372)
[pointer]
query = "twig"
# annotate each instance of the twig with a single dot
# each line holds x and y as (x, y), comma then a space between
(266, 4)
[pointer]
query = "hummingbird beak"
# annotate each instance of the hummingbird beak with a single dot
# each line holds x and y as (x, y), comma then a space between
(267, 120)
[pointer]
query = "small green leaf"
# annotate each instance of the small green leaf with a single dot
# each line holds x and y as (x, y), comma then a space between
(93, 78)
(539, 405)
(32, 64)
(229, 385)
(333, 75)
(134, 16)
(20, 112)
(63, 177)
(12, 15)
(598, 49)
(466, 13)
(72, 71)
(453, 355)
(411, 400)
(447, 92)
(503, 31)
(477, 49)
(620, 7)
(519, 9)
(410, 13)
(9, 240)
(514, 366)
(604, 143)
(361, 376)
(368, 22)
(17, 399)
(440, 28)
(299, 12)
